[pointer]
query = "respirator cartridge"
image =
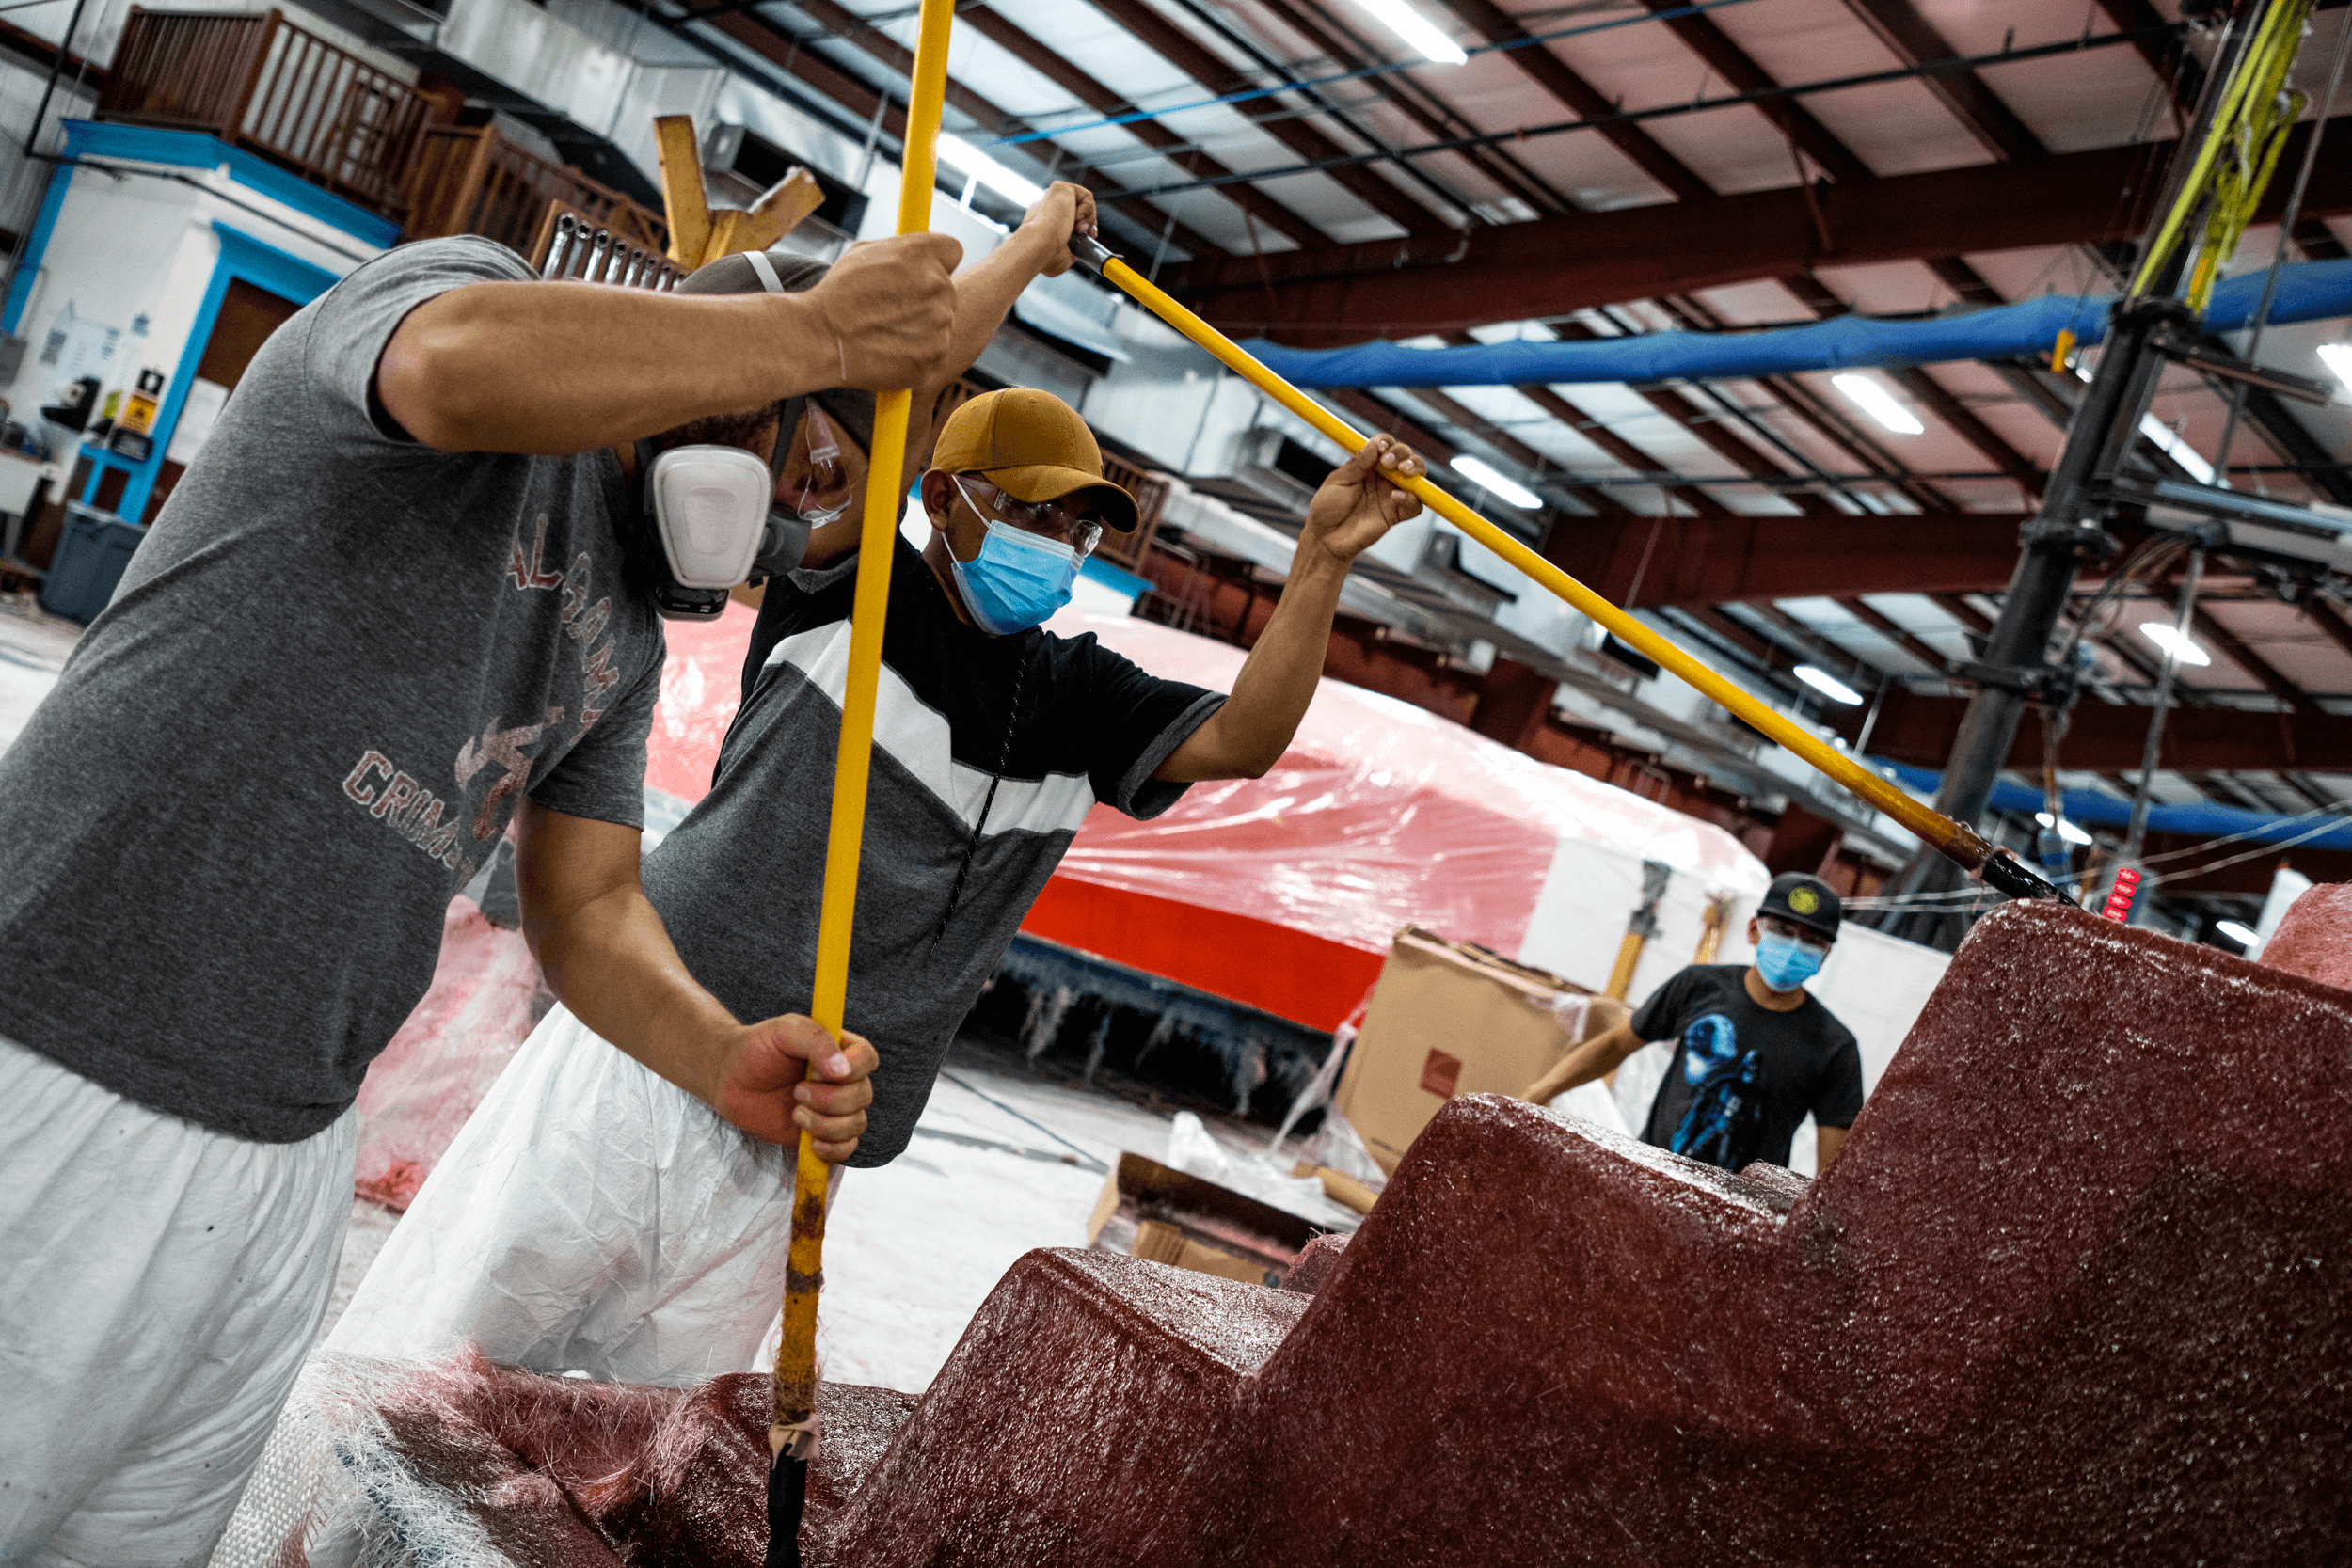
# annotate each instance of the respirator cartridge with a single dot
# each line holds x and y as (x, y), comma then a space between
(713, 510)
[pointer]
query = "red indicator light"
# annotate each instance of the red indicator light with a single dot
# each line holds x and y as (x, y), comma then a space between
(2123, 895)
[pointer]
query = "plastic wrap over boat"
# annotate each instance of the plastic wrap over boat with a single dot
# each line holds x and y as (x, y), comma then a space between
(1381, 814)
(702, 685)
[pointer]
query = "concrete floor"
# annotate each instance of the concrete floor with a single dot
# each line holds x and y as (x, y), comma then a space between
(913, 1248)
(33, 647)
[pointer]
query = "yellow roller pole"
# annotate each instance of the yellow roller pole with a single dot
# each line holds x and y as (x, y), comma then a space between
(1954, 841)
(793, 1436)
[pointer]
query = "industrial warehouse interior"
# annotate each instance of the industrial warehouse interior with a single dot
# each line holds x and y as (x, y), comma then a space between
(1598, 761)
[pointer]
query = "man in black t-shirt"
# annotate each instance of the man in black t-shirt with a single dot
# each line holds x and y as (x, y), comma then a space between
(1753, 1053)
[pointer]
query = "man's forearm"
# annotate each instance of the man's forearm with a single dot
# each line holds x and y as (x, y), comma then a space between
(555, 369)
(1595, 1058)
(984, 294)
(1248, 734)
(985, 290)
(610, 960)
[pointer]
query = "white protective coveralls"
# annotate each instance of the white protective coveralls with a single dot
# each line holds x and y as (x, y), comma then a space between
(158, 1346)
(590, 1216)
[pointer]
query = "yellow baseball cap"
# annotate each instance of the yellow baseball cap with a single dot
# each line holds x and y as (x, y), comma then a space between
(1035, 447)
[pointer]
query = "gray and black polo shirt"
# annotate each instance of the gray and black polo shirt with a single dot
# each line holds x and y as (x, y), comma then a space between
(1034, 728)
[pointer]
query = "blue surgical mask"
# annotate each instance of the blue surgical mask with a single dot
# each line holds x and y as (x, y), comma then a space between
(1785, 963)
(1017, 580)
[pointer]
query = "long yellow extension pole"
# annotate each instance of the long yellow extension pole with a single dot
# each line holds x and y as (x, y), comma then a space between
(1954, 841)
(794, 1433)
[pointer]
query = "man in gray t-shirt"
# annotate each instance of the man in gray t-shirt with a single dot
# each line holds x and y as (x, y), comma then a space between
(399, 601)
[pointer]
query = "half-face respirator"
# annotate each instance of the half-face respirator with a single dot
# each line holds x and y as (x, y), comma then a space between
(713, 510)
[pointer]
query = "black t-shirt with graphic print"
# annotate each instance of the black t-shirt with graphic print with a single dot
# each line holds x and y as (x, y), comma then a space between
(988, 753)
(1744, 1077)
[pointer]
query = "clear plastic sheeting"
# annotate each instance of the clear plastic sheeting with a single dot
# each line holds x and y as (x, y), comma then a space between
(486, 997)
(1191, 1148)
(456, 1462)
(702, 685)
(1379, 812)
(1382, 814)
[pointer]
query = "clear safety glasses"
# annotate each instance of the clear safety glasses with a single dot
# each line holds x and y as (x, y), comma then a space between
(1065, 519)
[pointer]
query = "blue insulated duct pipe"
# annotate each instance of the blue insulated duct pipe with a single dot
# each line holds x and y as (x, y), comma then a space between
(2313, 291)
(2091, 808)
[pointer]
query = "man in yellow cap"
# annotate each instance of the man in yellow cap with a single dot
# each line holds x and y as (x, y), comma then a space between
(590, 1216)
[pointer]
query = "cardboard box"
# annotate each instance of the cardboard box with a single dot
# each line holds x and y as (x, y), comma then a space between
(1171, 1217)
(1454, 1017)
(1163, 1242)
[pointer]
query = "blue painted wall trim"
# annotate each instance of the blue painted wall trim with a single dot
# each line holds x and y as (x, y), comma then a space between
(36, 245)
(241, 256)
(264, 265)
(149, 144)
(1118, 578)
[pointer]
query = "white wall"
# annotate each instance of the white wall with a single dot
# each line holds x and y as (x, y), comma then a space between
(130, 259)
(109, 267)
(1589, 894)
(1877, 985)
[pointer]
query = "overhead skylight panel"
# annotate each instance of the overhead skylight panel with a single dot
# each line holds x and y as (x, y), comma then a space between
(958, 154)
(1503, 489)
(1877, 401)
(2179, 647)
(1828, 684)
(1415, 29)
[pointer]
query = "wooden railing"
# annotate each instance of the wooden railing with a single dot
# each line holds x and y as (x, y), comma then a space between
(472, 181)
(1129, 552)
(260, 82)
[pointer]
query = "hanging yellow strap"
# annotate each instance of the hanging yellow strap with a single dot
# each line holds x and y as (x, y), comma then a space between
(796, 1357)
(2246, 131)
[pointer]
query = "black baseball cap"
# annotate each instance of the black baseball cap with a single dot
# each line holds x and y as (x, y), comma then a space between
(1808, 901)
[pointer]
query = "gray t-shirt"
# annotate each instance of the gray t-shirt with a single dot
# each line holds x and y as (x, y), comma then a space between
(231, 831)
(988, 753)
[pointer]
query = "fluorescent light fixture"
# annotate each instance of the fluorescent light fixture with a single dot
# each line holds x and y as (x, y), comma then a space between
(2339, 359)
(1415, 29)
(1828, 684)
(958, 154)
(2183, 453)
(2179, 647)
(2066, 831)
(1877, 401)
(2237, 931)
(1502, 489)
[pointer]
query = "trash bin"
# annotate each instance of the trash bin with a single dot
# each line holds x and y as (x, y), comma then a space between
(94, 549)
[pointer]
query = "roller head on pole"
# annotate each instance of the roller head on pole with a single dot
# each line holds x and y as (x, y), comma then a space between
(2005, 873)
